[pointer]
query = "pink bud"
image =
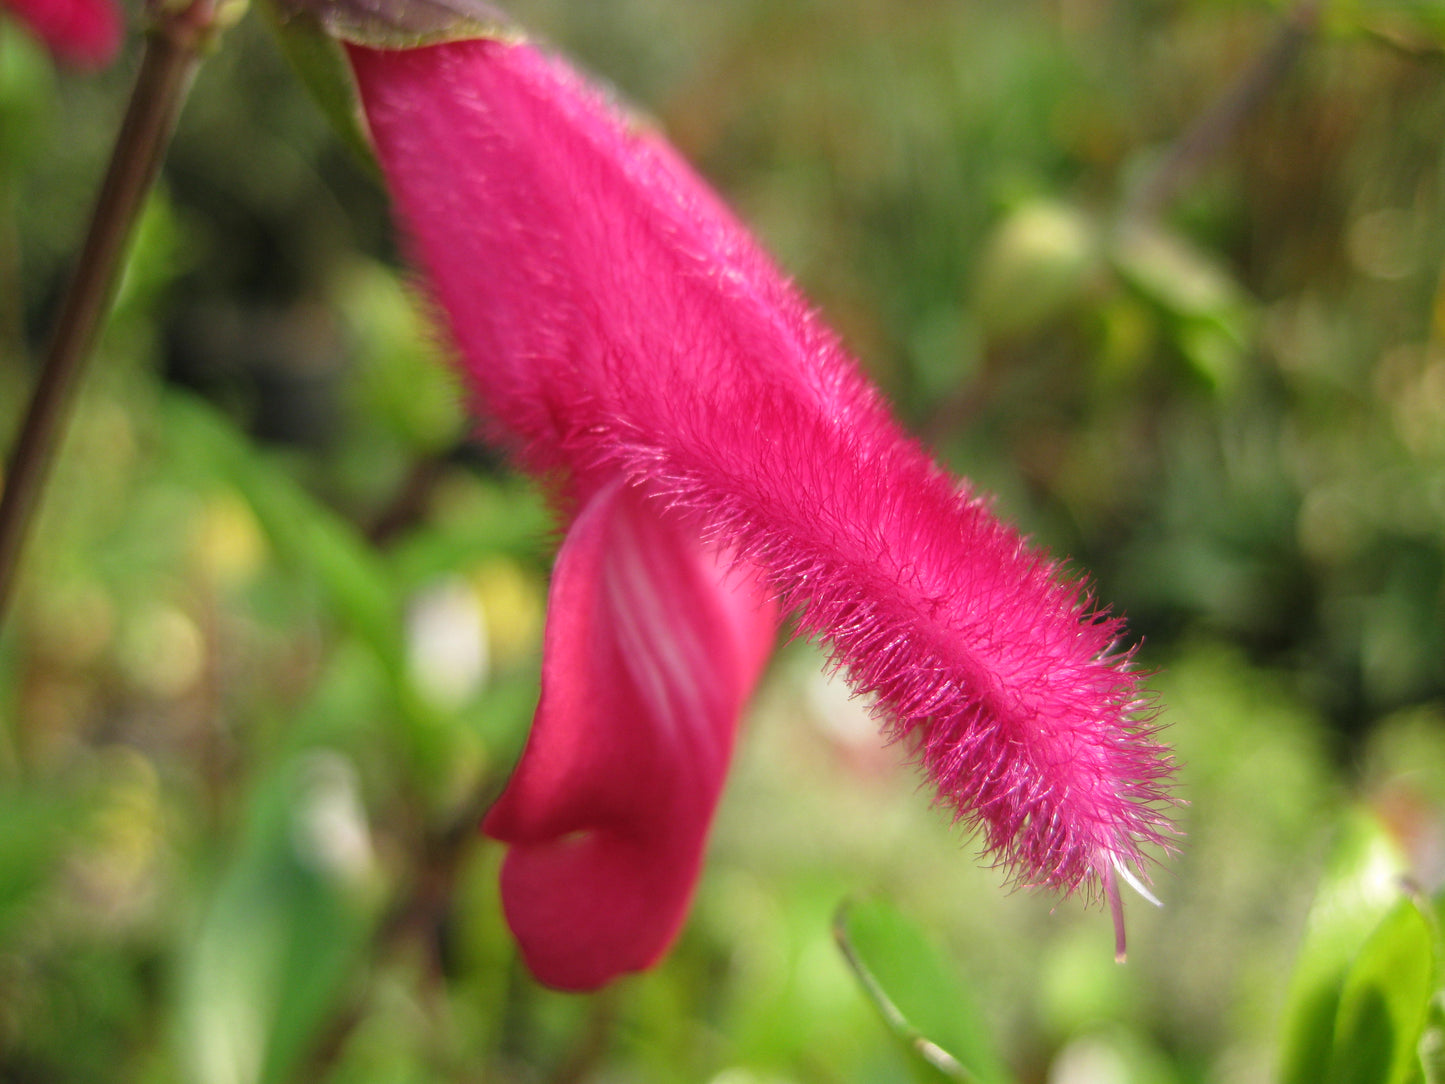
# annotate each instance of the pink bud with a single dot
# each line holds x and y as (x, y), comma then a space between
(85, 33)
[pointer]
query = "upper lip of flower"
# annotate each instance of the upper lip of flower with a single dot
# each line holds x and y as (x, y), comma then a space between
(625, 331)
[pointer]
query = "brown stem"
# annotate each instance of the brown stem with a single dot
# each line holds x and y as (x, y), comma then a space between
(173, 51)
(408, 505)
(1212, 130)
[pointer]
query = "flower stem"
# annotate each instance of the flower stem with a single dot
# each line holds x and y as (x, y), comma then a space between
(1212, 131)
(173, 51)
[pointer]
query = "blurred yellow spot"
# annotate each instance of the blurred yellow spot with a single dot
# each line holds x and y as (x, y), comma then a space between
(162, 651)
(115, 873)
(1038, 262)
(1419, 409)
(462, 627)
(513, 604)
(226, 542)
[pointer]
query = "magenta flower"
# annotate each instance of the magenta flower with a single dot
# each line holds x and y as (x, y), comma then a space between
(85, 33)
(629, 342)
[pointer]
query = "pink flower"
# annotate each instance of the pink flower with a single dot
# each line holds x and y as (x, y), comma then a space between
(85, 33)
(628, 341)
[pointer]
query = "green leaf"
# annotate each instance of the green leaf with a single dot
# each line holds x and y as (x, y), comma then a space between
(285, 929)
(1384, 1002)
(1360, 885)
(1212, 314)
(303, 531)
(357, 584)
(27, 88)
(1432, 1039)
(919, 997)
(39, 830)
(402, 379)
(318, 60)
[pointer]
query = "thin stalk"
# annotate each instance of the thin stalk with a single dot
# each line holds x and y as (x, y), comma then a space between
(1213, 130)
(173, 51)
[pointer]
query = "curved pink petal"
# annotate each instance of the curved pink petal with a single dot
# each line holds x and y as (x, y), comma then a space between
(652, 646)
(85, 33)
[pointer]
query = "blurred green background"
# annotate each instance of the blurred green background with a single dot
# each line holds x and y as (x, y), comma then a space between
(1164, 275)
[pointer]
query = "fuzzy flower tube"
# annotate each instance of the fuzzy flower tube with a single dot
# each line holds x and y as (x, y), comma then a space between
(83, 33)
(723, 460)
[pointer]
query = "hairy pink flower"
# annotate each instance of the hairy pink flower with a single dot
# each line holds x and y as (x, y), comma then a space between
(85, 33)
(627, 338)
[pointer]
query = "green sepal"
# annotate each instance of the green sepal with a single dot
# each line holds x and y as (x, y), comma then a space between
(403, 24)
(318, 60)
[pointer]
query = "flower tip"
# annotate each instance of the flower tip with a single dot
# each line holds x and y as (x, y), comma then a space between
(1116, 909)
(1116, 904)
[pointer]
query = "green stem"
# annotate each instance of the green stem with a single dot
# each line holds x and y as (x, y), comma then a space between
(173, 52)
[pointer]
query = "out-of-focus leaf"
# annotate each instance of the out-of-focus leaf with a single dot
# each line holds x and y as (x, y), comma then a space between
(1384, 1002)
(1431, 1047)
(403, 381)
(318, 61)
(158, 255)
(36, 823)
(284, 930)
(27, 83)
(357, 583)
(474, 518)
(1213, 315)
(1432, 1040)
(1359, 887)
(301, 530)
(1181, 278)
(1413, 24)
(919, 997)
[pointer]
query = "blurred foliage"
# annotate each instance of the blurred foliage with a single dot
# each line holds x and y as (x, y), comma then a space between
(276, 646)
